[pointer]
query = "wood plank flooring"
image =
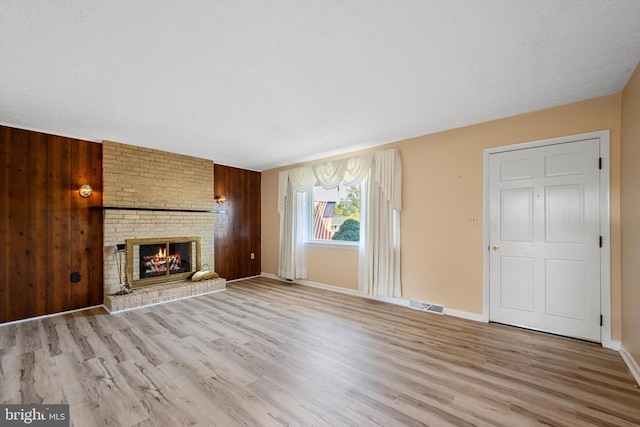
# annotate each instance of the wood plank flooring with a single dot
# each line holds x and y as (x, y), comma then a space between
(268, 353)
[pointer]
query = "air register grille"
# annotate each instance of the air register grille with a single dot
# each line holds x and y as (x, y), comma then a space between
(423, 306)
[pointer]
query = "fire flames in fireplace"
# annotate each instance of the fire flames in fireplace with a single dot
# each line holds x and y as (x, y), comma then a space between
(156, 264)
(154, 260)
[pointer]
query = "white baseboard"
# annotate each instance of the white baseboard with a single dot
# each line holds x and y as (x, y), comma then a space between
(466, 315)
(270, 276)
(29, 319)
(632, 364)
(390, 300)
(327, 287)
(612, 345)
(397, 301)
(244, 278)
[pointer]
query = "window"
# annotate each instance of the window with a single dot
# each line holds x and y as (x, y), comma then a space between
(336, 214)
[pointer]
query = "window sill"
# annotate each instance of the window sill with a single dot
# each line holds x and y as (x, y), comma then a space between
(332, 243)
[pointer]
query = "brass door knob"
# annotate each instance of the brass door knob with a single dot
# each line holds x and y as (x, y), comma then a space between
(495, 247)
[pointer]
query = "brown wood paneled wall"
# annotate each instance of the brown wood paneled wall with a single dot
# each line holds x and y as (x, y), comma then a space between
(47, 231)
(237, 225)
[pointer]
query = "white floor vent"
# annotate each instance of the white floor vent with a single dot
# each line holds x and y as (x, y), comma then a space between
(423, 306)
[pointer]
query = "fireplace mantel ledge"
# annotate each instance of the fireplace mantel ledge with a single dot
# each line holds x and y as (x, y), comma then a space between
(132, 208)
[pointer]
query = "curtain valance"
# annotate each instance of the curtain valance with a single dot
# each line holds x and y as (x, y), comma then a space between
(384, 166)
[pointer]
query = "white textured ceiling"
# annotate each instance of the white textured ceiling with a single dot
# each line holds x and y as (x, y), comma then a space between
(259, 84)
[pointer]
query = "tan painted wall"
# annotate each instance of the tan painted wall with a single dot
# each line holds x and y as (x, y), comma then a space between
(630, 179)
(270, 221)
(340, 271)
(442, 256)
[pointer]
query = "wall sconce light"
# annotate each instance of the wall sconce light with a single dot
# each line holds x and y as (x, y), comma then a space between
(221, 199)
(85, 190)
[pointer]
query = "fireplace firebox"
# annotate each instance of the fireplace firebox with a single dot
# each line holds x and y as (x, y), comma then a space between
(156, 260)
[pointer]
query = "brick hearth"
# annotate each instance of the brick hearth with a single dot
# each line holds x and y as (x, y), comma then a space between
(157, 294)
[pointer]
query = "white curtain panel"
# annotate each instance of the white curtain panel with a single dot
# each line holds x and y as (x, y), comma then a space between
(287, 209)
(292, 261)
(380, 175)
(301, 236)
(379, 270)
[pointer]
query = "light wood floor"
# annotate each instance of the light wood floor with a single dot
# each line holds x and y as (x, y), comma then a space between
(267, 353)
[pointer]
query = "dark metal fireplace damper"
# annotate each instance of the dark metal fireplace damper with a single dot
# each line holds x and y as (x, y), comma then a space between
(157, 260)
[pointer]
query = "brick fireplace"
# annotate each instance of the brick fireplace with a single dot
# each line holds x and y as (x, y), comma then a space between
(151, 194)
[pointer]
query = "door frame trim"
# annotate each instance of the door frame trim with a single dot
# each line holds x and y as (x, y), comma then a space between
(605, 220)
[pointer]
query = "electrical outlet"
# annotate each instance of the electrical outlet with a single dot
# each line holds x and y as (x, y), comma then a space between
(472, 220)
(253, 255)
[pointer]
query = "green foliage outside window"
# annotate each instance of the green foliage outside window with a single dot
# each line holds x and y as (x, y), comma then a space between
(349, 206)
(349, 231)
